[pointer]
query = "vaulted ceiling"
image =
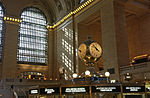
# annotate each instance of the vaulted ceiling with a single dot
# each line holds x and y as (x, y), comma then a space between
(59, 8)
(137, 8)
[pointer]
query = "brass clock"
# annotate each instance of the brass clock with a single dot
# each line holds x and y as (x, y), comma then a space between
(89, 52)
(82, 51)
(95, 50)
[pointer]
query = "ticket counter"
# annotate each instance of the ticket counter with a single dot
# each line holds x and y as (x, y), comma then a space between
(134, 92)
(147, 86)
(49, 96)
(75, 92)
(148, 95)
(106, 95)
(106, 91)
(91, 91)
(136, 95)
(96, 95)
(76, 96)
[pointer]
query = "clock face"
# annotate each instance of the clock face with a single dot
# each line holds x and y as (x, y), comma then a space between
(82, 51)
(95, 50)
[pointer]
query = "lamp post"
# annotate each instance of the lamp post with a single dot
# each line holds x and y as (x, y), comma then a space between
(107, 74)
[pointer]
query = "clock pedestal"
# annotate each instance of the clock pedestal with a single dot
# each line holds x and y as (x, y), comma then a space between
(92, 71)
(90, 52)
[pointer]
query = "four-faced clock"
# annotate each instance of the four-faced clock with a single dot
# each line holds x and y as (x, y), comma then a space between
(89, 52)
(95, 50)
(82, 51)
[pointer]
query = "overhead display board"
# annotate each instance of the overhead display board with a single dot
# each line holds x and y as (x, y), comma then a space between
(53, 90)
(85, 90)
(106, 89)
(133, 89)
(72, 90)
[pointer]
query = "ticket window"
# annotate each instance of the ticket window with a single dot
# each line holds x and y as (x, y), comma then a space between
(50, 96)
(134, 95)
(33, 96)
(75, 92)
(106, 91)
(148, 95)
(76, 96)
(134, 91)
(106, 95)
(112, 95)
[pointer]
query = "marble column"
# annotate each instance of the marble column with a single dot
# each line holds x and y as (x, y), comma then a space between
(114, 37)
(51, 56)
(10, 46)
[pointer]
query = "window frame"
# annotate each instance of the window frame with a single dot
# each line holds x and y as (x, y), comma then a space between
(26, 48)
(2, 31)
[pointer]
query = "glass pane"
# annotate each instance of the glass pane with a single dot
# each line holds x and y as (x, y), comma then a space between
(32, 46)
(1, 28)
(65, 50)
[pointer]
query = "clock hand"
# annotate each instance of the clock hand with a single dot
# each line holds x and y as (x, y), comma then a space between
(79, 50)
(95, 48)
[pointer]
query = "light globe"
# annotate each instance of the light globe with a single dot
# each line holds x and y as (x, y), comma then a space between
(107, 74)
(74, 75)
(87, 72)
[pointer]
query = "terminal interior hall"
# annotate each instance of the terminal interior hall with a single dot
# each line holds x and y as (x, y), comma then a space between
(74, 49)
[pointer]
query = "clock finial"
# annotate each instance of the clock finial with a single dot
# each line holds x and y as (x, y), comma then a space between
(89, 37)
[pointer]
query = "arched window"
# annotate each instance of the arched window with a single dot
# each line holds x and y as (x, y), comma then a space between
(32, 45)
(1, 29)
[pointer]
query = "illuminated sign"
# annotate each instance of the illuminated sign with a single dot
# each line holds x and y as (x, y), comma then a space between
(102, 79)
(131, 89)
(33, 91)
(106, 89)
(54, 90)
(75, 90)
